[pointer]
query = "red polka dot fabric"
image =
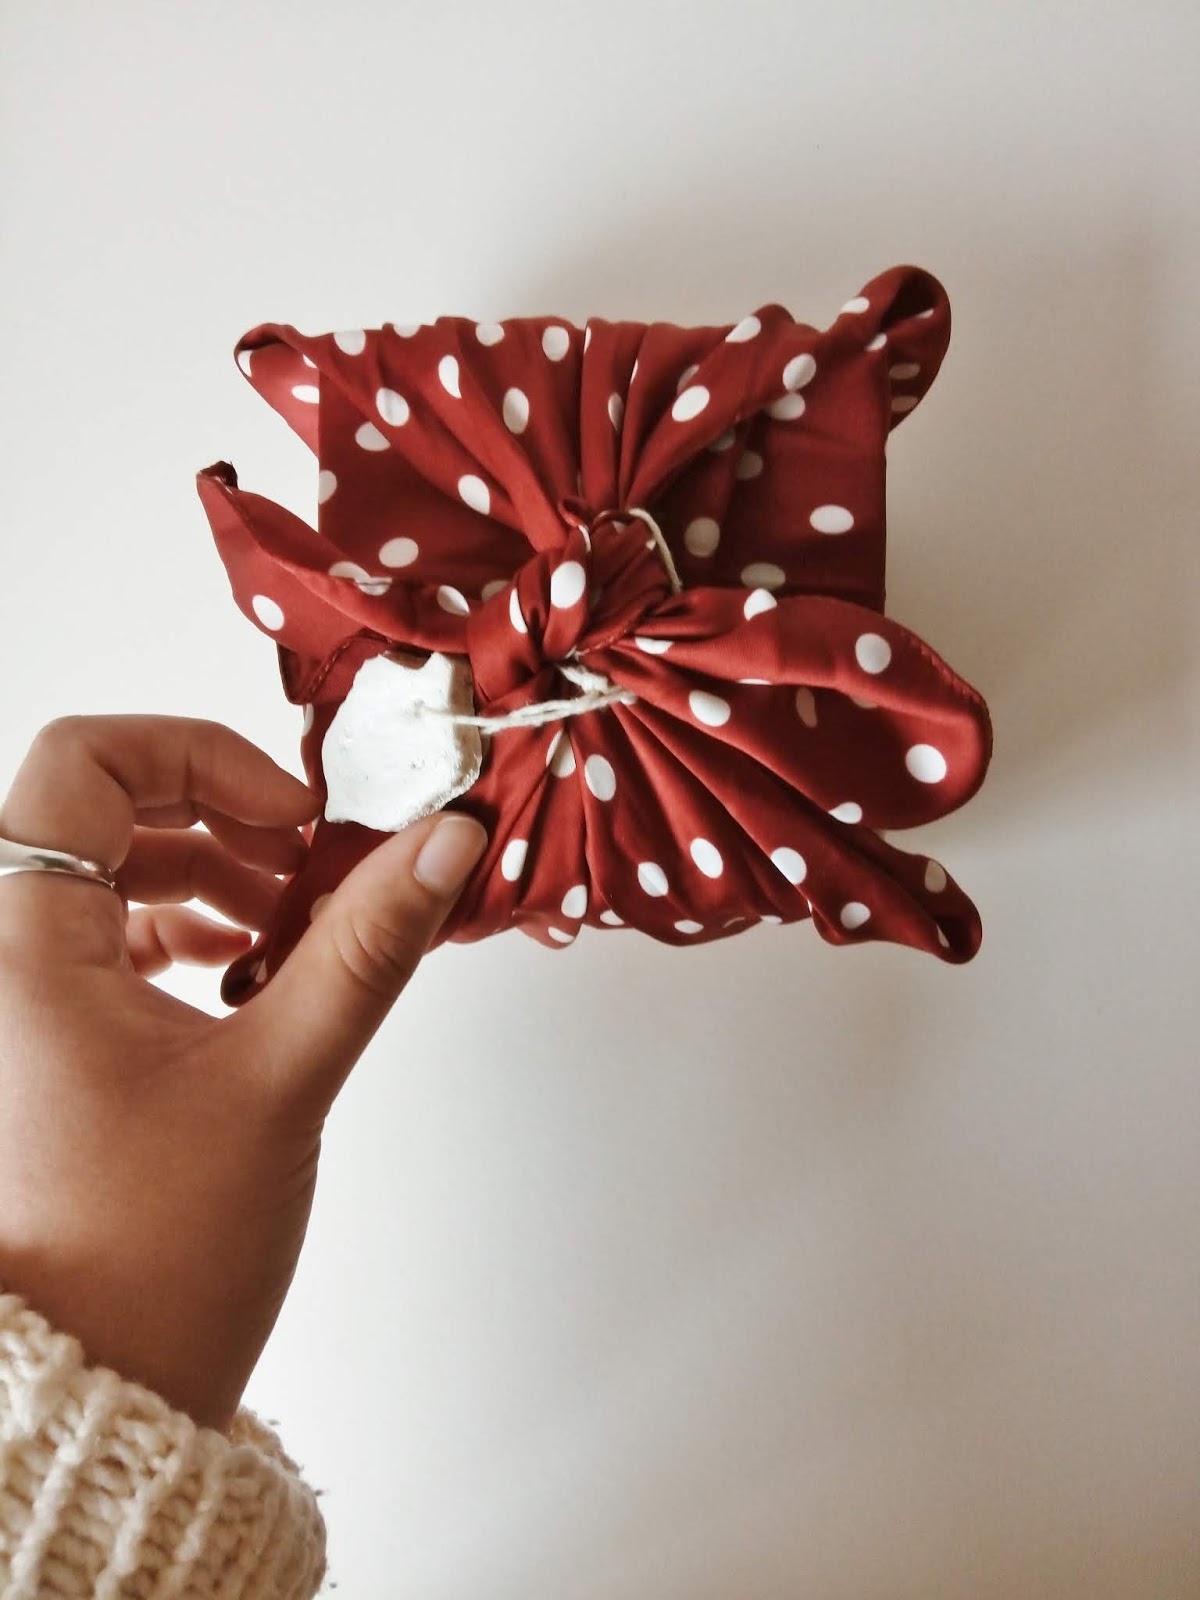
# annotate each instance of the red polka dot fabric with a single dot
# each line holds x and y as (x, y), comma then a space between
(476, 495)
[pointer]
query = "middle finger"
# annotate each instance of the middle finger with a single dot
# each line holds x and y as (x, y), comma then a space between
(173, 865)
(278, 848)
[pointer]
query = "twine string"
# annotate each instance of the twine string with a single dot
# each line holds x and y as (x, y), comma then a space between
(597, 693)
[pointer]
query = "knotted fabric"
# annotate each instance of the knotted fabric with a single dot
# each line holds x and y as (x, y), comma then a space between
(494, 490)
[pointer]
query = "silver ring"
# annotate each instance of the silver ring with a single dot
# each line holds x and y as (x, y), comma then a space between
(16, 857)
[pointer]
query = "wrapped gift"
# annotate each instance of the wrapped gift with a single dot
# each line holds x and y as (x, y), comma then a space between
(617, 591)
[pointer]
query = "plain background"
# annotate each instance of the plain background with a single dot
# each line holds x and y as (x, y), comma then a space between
(765, 1269)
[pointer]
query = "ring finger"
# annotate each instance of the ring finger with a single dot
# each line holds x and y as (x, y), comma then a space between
(160, 935)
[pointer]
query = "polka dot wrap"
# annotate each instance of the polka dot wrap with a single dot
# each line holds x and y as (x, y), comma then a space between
(474, 495)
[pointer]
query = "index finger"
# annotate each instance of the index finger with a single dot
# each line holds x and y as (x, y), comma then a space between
(82, 784)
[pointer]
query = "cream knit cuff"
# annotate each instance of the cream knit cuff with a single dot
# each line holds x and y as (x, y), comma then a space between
(109, 1493)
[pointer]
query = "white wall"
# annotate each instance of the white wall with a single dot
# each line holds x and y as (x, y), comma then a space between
(765, 1269)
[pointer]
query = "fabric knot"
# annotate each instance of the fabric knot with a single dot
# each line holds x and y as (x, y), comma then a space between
(592, 589)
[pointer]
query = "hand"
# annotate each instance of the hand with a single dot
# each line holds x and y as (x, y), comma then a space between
(157, 1164)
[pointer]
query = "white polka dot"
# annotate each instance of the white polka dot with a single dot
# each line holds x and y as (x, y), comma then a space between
(651, 647)
(392, 407)
(308, 361)
(702, 536)
(747, 328)
(515, 615)
(758, 601)
(935, 877)
(307, 720)
(561, 937)
(489, 332)
(448, 376)
(764, 575)
(365, 581)
(762, 681)
(515, 410)
(308, 392)
(865, 705)
(733, 921)
(921, 315)
(723, 441)
(611, 919)
(854, 914)
(690, 403)
(475, 493)
(707, 857)
(352, 341)
(878, 342)
(492, 588)
(599, 776)
(872, 652)
(407, 329)
(942, 939)
(787, 408)
(326, 484)
(652, 878)
(568, 583)
(848, 811)
(616, 410)
(904, 370)
(368, 437)
(708, 708)
(452, 600)
(686, 926)
(686, 376)
(749, 465)
(858, 304)
(575, 902)
(799, 371)
(560, 758)
(318, 905)
(260, 972)
(904, 402)
(587, 336)
(512, 862)
(927, 764)
(269, 612)
(243, 360)
(556, 342)
(400, 552)
(832, 519)
(791, 863)
(774, 919)
(806, 707)
(633, 374)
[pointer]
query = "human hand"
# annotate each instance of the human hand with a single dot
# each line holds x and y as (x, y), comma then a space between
(157, 1164)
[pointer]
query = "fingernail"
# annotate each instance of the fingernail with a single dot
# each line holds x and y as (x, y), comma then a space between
(445, 859)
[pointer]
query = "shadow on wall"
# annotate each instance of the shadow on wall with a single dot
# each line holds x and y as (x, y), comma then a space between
(1039, 541)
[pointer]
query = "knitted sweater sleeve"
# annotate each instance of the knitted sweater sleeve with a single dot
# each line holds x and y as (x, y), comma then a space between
(108, 1493)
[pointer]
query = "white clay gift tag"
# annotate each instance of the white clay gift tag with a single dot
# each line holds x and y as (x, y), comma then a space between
(389, 757)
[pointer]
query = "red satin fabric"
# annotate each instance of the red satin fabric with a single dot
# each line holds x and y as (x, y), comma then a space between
(781, 718)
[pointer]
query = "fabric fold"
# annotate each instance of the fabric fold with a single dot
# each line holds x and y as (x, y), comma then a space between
(487, 490)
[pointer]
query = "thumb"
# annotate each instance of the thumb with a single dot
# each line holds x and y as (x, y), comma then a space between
(320, 1010)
